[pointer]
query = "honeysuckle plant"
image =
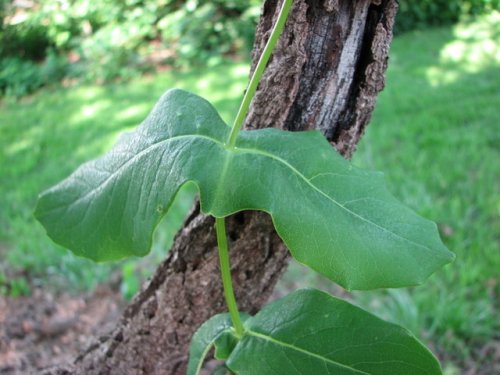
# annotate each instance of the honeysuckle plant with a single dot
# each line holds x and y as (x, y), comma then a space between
(334, 218)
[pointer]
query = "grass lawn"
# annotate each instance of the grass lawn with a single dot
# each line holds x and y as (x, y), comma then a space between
(435, 134)
(45, 137)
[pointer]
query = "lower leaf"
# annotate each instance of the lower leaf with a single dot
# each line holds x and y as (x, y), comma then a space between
(204, 339)
(215, 332)
(311, 332)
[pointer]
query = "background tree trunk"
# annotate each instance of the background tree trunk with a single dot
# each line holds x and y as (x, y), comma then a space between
(325, 74)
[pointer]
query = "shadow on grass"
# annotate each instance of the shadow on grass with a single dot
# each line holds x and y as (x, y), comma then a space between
(43, 138)
(435, 135)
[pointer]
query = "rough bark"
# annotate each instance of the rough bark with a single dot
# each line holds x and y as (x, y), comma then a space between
(325, 74)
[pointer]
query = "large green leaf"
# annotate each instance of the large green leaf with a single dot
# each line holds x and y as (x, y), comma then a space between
(310, 332)
(204, 339)
(215, 332)
(337, 219)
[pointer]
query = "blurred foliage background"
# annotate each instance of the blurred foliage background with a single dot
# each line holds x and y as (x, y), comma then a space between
(74, 74)
(49, 40)
(45, 41)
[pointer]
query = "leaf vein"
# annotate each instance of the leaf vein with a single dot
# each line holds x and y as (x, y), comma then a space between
(303, 351)
(314, 187)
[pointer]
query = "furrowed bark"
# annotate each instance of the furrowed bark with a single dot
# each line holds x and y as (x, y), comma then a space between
(325, 74)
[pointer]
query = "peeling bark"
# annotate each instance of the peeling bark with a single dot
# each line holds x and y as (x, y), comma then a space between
(325, 74)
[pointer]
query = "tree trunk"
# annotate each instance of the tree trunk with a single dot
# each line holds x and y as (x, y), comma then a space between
(325, 74)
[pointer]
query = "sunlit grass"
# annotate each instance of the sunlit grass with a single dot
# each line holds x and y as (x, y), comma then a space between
(435, 134)
(474, 48)
(45, 137)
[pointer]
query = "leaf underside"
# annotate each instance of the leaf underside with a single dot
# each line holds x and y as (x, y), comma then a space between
(310, 332)
(335, 218)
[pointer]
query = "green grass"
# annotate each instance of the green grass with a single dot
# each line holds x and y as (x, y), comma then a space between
(45, 137)
(435, 134)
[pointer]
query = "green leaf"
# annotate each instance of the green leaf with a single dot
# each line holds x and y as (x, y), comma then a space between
(310, 332)
(215, 332)
(225, 344)
(337, 219)
(204, 339)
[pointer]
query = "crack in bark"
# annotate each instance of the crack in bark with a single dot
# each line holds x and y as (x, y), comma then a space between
(369, 76)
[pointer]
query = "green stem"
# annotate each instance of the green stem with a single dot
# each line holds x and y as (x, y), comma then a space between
(259, 70)
(225, 269)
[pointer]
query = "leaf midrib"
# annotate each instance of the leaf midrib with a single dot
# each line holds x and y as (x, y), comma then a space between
(303, 351)
(146, 150)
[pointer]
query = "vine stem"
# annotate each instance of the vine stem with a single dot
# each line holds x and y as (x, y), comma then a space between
(220, 224)
(257, 74)
(225, 269)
